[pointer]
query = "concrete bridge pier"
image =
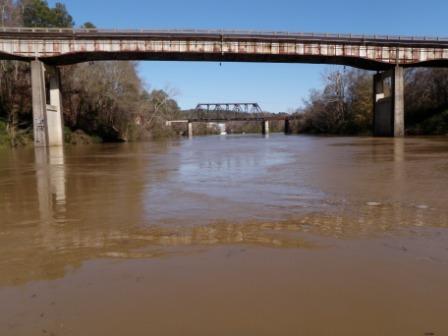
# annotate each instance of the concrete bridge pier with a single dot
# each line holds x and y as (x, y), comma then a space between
(190, 129)
(287, 127)
(55, 123)
(388, 101)
(47, 118)
(265, 127)
(39, 104)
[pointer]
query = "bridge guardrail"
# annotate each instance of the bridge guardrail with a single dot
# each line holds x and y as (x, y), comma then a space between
(223, 32)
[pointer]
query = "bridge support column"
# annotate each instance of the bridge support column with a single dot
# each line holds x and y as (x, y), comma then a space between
(398, 81)
(47, 118)
(190, 129)
(39, 104)
(287, 128)
(265, 127)
(388, 100)
(55, 124)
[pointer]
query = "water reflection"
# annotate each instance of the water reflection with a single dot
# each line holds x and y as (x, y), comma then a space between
(51, 184)
(152, 200)
(49, 256)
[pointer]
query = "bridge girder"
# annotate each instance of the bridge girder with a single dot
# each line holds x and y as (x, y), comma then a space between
(227, 110)
(67, 46)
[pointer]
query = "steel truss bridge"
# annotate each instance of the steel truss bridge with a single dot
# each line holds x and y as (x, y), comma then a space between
(227, 111)
(232, 112)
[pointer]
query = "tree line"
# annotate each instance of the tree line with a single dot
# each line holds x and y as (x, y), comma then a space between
(344, 106)
(107, 100)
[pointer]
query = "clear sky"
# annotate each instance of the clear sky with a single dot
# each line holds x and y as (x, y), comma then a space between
(277, 87)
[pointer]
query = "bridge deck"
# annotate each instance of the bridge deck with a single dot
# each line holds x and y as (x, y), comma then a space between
(68, 46)
(62, 33)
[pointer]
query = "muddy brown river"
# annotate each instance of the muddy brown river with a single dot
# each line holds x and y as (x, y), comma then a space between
(236, 235)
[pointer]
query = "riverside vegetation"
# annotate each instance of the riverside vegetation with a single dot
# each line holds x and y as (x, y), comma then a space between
(103, 101)
(344, 105)
(108, 101)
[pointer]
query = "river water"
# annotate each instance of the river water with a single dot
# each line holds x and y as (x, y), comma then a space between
(234, 235)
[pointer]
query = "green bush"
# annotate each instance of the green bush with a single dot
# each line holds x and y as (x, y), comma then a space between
(437, 125)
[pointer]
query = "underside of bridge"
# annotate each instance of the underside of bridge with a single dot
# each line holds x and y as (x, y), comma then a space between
(80, 57)
(388, 101)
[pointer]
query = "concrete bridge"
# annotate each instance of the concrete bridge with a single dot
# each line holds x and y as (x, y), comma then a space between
(48, 48)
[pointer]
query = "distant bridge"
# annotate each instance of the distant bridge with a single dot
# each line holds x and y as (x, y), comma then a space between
(231, 112)
(48, 48)
(229, 107)
(226, 111)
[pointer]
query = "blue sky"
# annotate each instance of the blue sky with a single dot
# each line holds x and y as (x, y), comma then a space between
(277, 87)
